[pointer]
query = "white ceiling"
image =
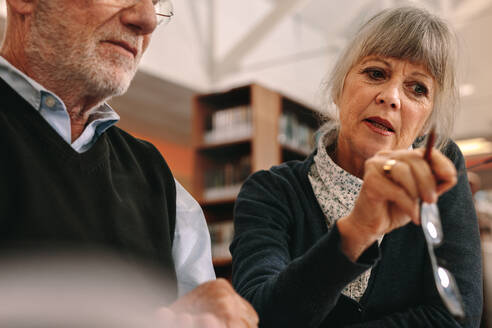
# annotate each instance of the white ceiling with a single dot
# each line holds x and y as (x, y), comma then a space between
(289, 46)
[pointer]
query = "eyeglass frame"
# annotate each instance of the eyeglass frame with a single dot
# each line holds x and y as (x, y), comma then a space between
(454, 302)
(429, 213)
(161, 17)
(168, 16)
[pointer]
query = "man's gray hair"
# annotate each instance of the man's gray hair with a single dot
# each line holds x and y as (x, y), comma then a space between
(411, 34)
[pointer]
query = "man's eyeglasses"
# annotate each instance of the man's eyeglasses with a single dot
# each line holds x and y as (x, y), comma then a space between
(163, 8)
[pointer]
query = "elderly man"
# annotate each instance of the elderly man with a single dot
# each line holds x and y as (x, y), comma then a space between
(70, 177)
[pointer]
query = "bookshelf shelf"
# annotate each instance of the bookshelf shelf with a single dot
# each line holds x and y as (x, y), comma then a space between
(224, 202)
(296, 150)
(230, 135)
(235, 133)
(221, 193)
(224, 144)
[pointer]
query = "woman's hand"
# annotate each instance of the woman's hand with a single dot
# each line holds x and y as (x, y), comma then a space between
(389, 200)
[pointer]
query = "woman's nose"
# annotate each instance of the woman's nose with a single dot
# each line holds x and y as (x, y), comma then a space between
(390, 97)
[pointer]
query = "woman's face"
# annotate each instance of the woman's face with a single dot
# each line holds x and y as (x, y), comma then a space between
(384, 105)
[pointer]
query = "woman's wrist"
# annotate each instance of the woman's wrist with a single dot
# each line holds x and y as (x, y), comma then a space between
(354, 239)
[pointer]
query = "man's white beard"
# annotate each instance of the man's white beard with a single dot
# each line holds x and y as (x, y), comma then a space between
(73, 61)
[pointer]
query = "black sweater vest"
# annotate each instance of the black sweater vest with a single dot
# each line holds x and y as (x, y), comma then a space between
(119, 195)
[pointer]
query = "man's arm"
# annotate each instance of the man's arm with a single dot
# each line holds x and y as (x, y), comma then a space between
(204, 302)
(191, 246)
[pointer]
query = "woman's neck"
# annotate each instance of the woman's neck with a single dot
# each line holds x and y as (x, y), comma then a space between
(347, 159)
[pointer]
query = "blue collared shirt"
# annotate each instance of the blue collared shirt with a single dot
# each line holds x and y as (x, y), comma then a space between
(191, 247)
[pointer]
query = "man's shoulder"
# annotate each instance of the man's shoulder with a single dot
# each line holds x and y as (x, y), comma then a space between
(144, 150)
(123, 138)
(115, 132)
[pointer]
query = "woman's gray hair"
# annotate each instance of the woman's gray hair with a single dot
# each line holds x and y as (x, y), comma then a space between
(411, 34)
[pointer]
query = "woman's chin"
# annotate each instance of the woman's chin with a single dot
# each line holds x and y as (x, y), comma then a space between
(369, 150)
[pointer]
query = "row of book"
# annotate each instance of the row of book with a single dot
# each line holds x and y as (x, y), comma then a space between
(229, 124)
(296, 134)
(221, 234)
(225, 179)
(234, 123)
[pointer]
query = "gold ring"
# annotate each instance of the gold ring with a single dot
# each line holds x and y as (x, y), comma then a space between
(388, 166)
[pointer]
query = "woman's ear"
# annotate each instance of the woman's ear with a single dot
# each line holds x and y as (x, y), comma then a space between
(22, 7)
(336, 99)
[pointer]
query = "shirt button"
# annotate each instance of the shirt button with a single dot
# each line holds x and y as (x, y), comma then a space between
(50, 101)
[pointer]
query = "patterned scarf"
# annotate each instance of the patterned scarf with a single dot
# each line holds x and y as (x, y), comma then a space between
(336, 191)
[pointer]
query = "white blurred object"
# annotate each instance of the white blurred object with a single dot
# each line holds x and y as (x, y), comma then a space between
(467, 90)
(3, 9)
(483, 201)
(474, 146)
(78, 290)
(487, 268)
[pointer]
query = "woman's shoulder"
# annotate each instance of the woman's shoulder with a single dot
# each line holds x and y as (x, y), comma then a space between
(285, 180)
(453, 152)
(294, 171)
(450, 150)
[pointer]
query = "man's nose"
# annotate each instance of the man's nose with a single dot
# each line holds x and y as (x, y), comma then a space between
(140, 17)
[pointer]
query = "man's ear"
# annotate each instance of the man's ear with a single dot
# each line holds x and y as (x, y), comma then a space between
(22, 7)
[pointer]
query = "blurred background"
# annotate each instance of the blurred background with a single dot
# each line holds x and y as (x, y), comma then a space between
(232, 86)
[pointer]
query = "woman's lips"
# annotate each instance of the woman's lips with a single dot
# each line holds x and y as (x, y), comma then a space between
(380, 126)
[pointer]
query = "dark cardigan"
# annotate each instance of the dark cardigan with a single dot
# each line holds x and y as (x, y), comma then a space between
(292, 269)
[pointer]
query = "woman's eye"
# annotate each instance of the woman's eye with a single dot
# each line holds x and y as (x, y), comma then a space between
(419, 89)
(375, 74)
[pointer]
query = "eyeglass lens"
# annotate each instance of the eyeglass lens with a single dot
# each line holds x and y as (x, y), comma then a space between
(445, 282)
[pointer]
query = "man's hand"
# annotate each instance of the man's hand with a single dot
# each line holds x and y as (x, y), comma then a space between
(215, 304)
(169, 318)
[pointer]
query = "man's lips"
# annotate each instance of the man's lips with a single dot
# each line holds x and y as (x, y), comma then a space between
(124, 45)
(380, 123)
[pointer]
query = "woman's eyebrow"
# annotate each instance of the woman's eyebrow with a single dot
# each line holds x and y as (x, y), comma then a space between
(424, 75)
(377, 60)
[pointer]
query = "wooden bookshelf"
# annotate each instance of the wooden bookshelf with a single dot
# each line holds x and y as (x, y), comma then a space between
(267, 123)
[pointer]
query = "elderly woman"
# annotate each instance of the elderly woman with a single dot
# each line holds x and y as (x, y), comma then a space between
(335, 240)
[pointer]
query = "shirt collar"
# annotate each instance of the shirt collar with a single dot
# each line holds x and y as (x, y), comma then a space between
(341, 183)
(40, 98)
